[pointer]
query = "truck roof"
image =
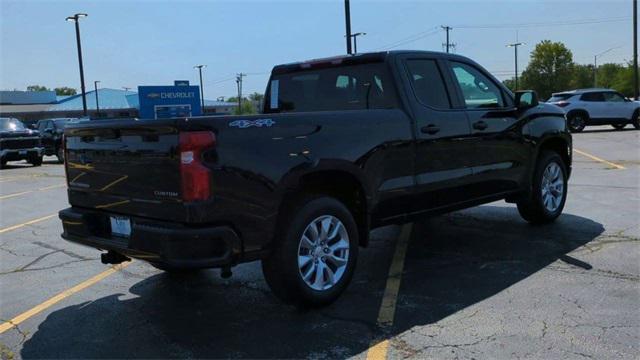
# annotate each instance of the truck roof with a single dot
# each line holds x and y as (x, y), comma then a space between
(360, 58)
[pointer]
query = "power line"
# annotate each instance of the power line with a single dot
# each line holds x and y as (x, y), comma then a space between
(547, 23)
(410, 39)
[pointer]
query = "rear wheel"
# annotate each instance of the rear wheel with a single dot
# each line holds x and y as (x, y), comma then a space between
(636, 120)
(577, 121)
(173, 270)
(549, 190)
(618, 126)
(315, 253)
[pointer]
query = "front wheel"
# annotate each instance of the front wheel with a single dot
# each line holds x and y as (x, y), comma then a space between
(36, 160)
(315, 253)
(636, 120)
(60, 155)
(618, 126)
(549, 190)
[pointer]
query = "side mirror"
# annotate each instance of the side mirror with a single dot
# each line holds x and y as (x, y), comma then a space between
(526, 99)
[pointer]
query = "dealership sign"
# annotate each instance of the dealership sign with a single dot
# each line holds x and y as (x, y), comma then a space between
(158, 102)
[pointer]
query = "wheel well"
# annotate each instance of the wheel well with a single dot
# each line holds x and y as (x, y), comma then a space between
(578, 111)
(340, 185)
(558, 146)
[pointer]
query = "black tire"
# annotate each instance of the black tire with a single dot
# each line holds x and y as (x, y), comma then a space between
(3, 163)
(635, 121)
(532, 208)
(618, 126)
(60, 155)
(281, 269)
(36, 161)
(577, 121)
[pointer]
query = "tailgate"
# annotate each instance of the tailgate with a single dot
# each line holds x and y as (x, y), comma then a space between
(125, 166)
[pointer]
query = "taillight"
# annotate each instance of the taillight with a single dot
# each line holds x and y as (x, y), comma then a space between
(196, 178)
(562, 103)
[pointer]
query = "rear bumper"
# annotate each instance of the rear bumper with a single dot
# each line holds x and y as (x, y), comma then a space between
(21, 154)
(172, 244)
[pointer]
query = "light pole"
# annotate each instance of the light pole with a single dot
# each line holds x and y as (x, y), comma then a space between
(347, 19)
(199, 67)
(95, 87)
(355, 40)
(595, 65)
(76, 18)
(515, 46)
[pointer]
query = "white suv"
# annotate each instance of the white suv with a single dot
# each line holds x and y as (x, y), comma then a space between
(597, 107)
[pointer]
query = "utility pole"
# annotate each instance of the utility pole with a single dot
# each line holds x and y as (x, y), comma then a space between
(635, 50)
(347, 18)
(76, 18)
(199, 67)
(126, 88)
(515, 46)
(239, 83)
(95, 87)
(448, 44)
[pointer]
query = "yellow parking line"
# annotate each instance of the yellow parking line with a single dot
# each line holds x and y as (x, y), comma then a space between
(14, 194)
(386, 314)
(592, 157)
(4, 230)
(30, 191)
(61, 296)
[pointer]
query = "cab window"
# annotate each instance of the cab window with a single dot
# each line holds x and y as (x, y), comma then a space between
(428, 83)
(477, 89)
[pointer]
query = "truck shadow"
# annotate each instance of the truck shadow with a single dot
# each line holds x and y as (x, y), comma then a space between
(452, 262)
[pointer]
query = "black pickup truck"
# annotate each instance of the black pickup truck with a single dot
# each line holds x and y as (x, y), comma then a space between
(343, 145)
(19, 143)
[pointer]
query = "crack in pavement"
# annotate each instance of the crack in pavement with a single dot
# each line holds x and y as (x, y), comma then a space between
(23, 269)
(64, 251)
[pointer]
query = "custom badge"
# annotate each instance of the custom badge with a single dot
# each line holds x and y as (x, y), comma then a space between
(243, 124)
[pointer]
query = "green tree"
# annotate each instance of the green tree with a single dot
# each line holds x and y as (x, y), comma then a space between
(550, 69)
(607, 74)
(510, 83)
(623, 81)
(37, 88)
(256, 96)
(61, 91)
(582, 77)
(247, 108)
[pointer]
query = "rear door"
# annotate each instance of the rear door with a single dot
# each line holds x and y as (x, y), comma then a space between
(499, 152)
(443, 147)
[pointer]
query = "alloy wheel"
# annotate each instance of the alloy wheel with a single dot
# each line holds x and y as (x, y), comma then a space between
(323, 252)
(552, 187)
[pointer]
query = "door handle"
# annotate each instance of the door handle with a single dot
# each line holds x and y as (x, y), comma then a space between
(480, 125)
(429, 129)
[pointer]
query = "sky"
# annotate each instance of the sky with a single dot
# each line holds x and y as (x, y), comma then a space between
(144, 42)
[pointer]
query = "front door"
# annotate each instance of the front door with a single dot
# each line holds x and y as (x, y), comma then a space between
(500, 154)
(443, 147)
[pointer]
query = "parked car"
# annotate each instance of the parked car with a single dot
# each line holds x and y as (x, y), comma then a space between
(344, 145)
(586, 107)
(51, 131)
(19, 143)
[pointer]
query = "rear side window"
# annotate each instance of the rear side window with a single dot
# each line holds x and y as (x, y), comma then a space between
(593, 96)
(613, 97)
(356, 87)
(477, 89)
(559, 97)
(428, 83)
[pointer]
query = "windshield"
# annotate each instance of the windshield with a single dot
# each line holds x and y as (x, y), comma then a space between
(60, 123)
(559, 97)
(7, 124)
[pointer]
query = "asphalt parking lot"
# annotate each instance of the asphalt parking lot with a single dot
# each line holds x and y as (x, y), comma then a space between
(479, 283)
